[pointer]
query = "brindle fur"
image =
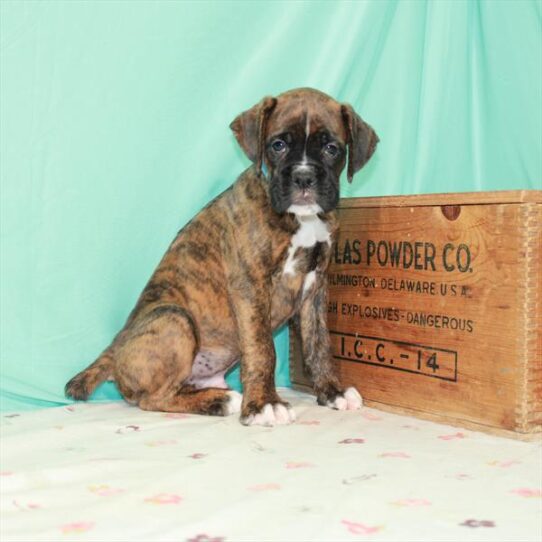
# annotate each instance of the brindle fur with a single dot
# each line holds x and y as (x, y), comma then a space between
(220, 287)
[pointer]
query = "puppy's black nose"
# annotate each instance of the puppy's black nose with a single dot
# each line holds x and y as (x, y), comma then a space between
(303, 177)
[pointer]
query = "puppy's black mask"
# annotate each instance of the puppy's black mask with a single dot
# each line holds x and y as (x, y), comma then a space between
(305, 167)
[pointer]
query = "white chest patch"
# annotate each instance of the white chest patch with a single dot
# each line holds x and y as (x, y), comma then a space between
(310, 279)
(312, 230)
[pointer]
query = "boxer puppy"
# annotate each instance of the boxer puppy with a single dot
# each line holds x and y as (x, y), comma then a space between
(253, 259)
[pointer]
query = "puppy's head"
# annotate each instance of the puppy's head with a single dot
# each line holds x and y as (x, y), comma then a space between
(304, 138)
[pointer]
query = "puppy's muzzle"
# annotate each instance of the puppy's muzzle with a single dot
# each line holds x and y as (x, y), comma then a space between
(304, 176)
(304, 180)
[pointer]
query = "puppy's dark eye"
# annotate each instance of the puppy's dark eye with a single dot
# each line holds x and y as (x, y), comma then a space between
(331, 149)
(278, 145)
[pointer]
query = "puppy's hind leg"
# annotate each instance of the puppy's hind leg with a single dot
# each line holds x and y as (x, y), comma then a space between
(210, 401)
(155, 360)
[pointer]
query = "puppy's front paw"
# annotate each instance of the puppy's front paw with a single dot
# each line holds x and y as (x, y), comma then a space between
(350, 399)
(270, 414)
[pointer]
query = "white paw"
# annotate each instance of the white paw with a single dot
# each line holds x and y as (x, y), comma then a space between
(349, 400)
(271, 415)
(234, 404)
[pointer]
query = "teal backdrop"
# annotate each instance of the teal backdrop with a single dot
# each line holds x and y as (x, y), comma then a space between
(114, 132)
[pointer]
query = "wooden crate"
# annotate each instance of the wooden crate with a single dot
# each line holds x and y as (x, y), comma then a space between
(435, 307)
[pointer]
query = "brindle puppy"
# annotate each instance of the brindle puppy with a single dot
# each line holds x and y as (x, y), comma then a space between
(251, 260)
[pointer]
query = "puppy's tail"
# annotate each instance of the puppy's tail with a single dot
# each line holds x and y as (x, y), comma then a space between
(81, 386)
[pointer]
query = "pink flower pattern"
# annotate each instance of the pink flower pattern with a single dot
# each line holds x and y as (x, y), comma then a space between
(164, 498)
(504, 464)
(370, 416)
(455, 436)
(462, 476)
(26, 506)
(401, 455)
(298, 465)
(77, 527)
(104, 490)
(360, 528)
(528, 492)
(176, 415)
(206, 538)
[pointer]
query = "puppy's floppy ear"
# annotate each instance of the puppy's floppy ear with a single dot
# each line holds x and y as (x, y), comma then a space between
(361, 140)
(250, 129)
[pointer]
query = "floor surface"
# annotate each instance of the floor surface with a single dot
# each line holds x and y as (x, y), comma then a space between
(108, 472)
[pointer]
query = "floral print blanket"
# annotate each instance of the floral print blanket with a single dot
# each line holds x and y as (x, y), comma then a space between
(111, 472)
